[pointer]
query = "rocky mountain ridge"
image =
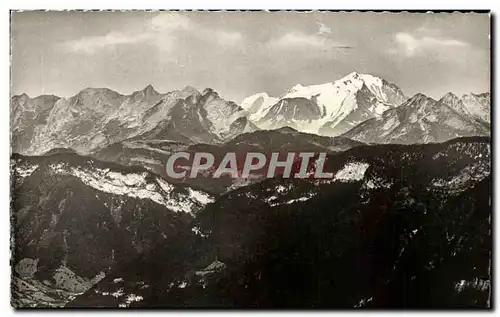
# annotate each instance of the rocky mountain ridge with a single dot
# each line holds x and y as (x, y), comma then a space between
(97, 117)
(423, 120)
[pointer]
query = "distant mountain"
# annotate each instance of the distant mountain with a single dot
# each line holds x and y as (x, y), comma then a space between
(154, 154)
(478, 106)
(27, 118)
(98, 117)
(422, 120)
(399, 226)
(97, 222)
(326, 109)
(287, 138)
(258, 105)
(74, 218)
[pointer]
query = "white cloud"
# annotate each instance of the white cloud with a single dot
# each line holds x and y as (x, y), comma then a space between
(297, 40)
(420, 42)
(171, 21)
(159, 31)
(226, 38)
(323, 29)
(91, 44)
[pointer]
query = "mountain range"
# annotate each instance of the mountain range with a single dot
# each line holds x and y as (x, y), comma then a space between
(370, 109)
(358, 106)
(98, 117)
(404, 223)
(423, 120)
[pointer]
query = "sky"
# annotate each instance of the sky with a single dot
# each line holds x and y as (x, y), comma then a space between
(239, 54)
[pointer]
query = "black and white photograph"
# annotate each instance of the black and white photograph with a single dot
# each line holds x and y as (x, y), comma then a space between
(257, 160)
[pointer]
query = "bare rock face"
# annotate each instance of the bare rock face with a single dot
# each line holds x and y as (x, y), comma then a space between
(28, 117)
(423, 120)
(478, 106)
(98, 117)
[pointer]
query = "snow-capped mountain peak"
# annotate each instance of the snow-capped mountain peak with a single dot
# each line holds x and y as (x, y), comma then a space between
(256, 106)
(330, 108)
(293, 89)
(356, 79)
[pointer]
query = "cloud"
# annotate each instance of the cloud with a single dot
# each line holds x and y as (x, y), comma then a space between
(159, 31)
(423, 41)
(91, 44)
(167, 22)
(323, 29)
(298, 40)
(228, 38)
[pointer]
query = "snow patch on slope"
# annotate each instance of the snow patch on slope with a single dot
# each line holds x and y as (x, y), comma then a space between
(471, 173)
(137, 185)
(354, 171)
(475, 284)
(130, 299)
(377, 182)
(22, 170)
(203, 198)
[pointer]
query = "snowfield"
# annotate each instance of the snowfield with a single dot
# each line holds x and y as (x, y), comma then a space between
(354, 171)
